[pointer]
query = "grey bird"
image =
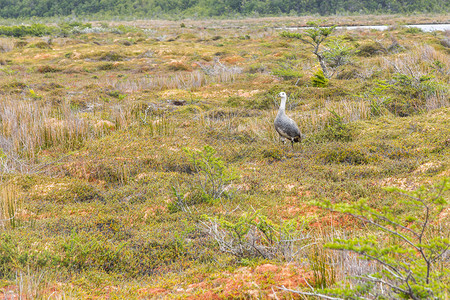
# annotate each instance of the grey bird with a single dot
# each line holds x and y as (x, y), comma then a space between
(285, 126)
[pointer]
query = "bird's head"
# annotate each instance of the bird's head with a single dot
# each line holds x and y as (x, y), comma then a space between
(282, 94)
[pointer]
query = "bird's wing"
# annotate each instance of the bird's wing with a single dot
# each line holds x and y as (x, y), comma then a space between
(292, 128)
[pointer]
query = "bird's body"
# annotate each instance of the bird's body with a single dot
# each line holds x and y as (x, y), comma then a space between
(285, 126)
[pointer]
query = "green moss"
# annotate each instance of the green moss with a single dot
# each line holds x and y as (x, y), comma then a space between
(349, 154)
(273, 153)
(75, 191)
(287, 74)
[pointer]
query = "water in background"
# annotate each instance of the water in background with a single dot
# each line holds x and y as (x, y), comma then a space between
(423, 27)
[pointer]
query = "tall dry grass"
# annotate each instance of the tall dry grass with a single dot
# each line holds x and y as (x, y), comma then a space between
(9, 205)
(179, 80)
(316, 119)
(417, 62)
(27, 127)
(6, 44)
(310, 121)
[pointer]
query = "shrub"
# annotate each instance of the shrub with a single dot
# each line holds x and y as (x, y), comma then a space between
(287, 74)
(235, 101)
(111, 56)
(352, 155)
(20, 44)
(256, 68)
(336, 129)
(314, 36)
(445, 42)
(178, 66)
(212, 175)
(410, 254)
(253, 235)
(275, 153)
(22, 30)
(8, 254)
(371, 49)
(85, 251)
(76, 191)
(269, 99)
(106, 67)
(407, 94)
(47, 69)
(413, 30)
(337, 55)
(319, 80)
(40, 45)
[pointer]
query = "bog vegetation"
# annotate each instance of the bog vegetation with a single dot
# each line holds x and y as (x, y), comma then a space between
(140, 160)
(210, 8)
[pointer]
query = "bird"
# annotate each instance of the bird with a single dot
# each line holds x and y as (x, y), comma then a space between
(285, 126)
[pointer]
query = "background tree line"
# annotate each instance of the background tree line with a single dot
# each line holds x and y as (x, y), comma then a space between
(212, 8)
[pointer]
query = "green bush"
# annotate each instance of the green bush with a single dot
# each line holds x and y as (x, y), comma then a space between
(336, 129)
(405, 95)
(413, 30)
(40, 45)
(22, 30)
(256, 68)
(319, 80)
(270, 99)
(409, 252)
(287, 74)
(86, 251)
(212, 175)
(235, 101)
(8, 254)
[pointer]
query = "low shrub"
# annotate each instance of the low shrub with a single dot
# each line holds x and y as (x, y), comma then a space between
(40, 45)
(254, 235)
(287, 74)
(256, 68)
(370, 49)
(47, 69)
(336, 129)
(86, 251)
(409, 248)
(413, 30)
(212, 174)
(76, 191)
(235, 101)
(274, 153)
(319, 79)
(344, 153)
(178, 66)
(23, 30)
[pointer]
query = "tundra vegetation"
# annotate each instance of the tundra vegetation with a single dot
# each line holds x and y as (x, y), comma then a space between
(139, 159)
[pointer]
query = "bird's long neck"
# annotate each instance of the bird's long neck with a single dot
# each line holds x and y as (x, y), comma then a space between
(282, 108)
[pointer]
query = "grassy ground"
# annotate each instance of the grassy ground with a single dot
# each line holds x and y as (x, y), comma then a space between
(101, 198)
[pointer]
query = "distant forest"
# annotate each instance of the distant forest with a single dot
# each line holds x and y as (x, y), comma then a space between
(211, 8)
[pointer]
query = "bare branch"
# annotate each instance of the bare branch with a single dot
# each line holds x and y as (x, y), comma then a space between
(283, 288)
(386, 229)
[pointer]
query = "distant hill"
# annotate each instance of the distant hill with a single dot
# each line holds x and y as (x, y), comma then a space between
(211, 8)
